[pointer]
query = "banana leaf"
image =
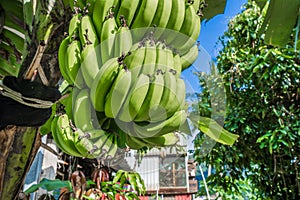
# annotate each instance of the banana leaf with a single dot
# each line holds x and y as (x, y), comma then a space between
(214, 7)
(280, 20)
(212, 129)
(261, 3)
(49, 185)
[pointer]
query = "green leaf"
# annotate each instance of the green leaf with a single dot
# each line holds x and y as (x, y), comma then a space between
(261, 3)
(213, 8)
(46, 128)
(49, 185)
(211, 128)
(280, 21)
(265, 136)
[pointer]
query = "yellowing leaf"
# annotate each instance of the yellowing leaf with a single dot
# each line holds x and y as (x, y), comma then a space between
(211, 128)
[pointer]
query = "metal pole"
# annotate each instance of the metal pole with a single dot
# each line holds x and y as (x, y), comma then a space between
(205, 185)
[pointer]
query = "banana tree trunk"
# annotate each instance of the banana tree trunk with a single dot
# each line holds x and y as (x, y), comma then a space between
(19, 145)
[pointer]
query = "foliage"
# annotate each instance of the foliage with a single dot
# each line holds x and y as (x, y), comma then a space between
(109, 188)
(262, 106)
(48, 185)
(280, 20)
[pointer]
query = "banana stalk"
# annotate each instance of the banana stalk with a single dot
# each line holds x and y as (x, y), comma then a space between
(25, 145)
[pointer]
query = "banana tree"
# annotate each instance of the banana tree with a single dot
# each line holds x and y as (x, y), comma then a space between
(31, 32)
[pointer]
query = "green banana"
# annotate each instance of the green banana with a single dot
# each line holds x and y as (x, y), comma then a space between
(180, 91)
(196, 5)
(101, 9)
(168, 103)
(149, 64)
(98, 138)
(90, 144)
(90, 63)
(173, 123)
(141, 24)
(103, 82)
(167, 139)
(79, 81)
(175, 21)
(108, 145)
(157, 112)
(134, 61)
(162, 14)
(87, 32)
(103, 120)
(145, 14)
(84, 145)
(134, 143)
(190, 31)
(139, 94)
(107, 37)
(113, 148)
(155, 91)
(62, 61)
(172, 105)
(118, 93)
(54, 133)
(123, 40)
(127, 9)
(148, 111)
(169, 95)
(65, 135)
(74, 25)
(73, 59)
(84, 114)
(135, 98)
(161, 17)
(189, 57)
(177, 65)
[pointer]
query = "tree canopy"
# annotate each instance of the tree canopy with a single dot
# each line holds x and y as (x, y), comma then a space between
(262, 84)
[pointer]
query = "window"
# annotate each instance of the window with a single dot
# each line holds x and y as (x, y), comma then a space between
(172, 171)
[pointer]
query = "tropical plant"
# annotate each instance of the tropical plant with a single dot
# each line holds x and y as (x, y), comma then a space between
(262, 84)
(31, 33)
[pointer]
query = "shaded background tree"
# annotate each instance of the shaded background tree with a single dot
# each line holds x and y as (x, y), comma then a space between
(262, 89)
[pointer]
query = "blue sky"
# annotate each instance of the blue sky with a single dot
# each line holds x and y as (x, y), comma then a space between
(210, 32)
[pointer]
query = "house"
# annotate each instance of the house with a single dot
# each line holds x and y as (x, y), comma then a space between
(168, 173)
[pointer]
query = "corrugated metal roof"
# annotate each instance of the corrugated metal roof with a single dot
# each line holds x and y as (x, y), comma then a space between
(149, 171)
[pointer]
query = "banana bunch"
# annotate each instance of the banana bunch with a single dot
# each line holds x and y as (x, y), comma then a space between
(132, 178)
(100, 30)
(75, 142)
(124, 59)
